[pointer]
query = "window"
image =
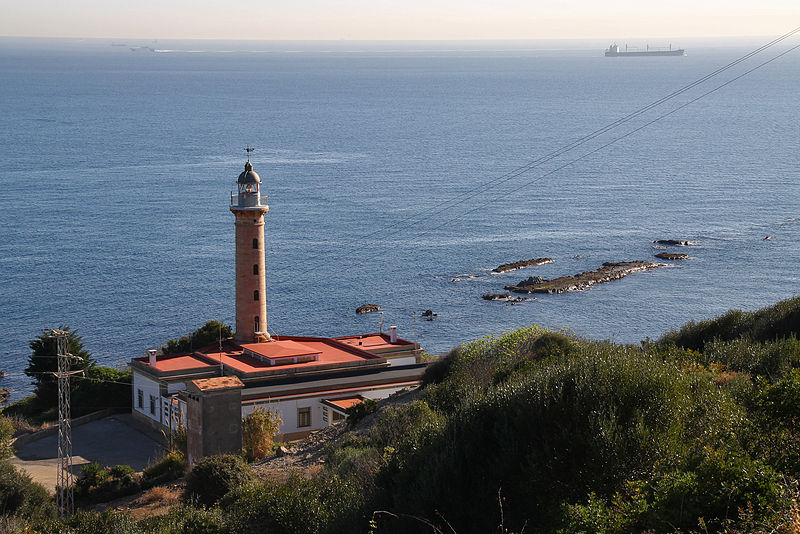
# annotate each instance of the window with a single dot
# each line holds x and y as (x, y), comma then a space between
(140, 398)
(304, 417)
(255, 324)
(255, 294)
(255, 269)
(255, 243)
(152, 405)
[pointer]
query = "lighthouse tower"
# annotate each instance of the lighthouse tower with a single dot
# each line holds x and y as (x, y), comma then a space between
(249, 208)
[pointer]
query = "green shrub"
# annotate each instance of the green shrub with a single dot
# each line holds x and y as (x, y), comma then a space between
(298, 506)
(102, 484)
(187, 520)
(771, 359)
(6, 435)
(359, 411)
(207, 334)
(172, 466)
(437, 371)
(717, 489)
(107, 522)
(569, 426)
(101, 388)
(767, 324)
(258, 428)
(214, 476)
(20, 496)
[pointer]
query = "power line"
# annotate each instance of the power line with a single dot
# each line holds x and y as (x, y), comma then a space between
(315, 261)
(596, 150)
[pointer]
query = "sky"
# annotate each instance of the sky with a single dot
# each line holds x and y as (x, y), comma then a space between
(396, 19)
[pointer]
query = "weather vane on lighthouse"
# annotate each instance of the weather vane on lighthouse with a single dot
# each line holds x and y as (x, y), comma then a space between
(248, 150)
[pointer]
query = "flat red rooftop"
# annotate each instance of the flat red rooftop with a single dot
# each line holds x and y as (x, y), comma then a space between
(178, 362)
(328, 352)
(371, 341)
(280, 349)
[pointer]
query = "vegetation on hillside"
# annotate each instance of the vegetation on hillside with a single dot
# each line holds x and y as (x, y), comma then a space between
(542, 431)
(211, 332)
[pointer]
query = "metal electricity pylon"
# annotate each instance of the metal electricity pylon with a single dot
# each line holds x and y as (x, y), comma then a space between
(64, 496)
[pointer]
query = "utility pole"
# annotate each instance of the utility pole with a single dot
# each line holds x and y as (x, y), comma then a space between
(64, 495)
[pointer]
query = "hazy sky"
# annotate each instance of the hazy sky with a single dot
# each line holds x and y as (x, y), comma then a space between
(396, 19)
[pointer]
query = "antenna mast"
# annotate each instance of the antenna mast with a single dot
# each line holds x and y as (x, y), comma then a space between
(64, 496)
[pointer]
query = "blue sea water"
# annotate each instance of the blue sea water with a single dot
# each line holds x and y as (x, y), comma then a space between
(385, 166)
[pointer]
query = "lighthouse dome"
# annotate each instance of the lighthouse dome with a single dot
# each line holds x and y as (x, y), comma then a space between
(249, 176)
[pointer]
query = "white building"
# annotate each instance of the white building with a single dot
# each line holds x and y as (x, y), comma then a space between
(308, 381)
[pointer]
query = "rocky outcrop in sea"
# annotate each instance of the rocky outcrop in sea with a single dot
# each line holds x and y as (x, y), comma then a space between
(608, 272)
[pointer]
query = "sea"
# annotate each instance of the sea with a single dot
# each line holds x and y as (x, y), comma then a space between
(397, 174)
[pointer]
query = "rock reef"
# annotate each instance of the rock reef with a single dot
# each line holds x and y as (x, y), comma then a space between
(506, 267)
(507, 298)
(676, 242)
(671, 256)
(608, 272)
(368, 308)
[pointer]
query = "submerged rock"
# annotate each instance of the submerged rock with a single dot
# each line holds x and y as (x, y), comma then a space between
(4, 394)
(608, 272)
(676, 243)
(368, 308)
(671, 256)
(464, 277)
(496, 296)
(507, 298)
(506, 267)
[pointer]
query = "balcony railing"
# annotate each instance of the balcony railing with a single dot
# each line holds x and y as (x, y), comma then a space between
(260, 204)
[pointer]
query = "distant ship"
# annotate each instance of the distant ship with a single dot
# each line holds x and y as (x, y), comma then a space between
(614, 51)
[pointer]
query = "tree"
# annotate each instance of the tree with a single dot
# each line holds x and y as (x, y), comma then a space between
(258, 428)
(43, 362)
(207, 334)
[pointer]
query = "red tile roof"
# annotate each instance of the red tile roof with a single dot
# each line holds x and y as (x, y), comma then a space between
(344, 403)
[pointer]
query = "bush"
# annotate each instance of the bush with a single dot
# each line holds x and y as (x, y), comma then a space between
(359, 411)
(767, 324)
(258, 428)
(101, 388)
(437, 371)
(20, 496)
(771, 359)
(172, 466)
(107, 522)
(214, 476)
(298, 506)
(187, 520)
(6, 435)
(207, 334)
(102, 484)
(555, 433)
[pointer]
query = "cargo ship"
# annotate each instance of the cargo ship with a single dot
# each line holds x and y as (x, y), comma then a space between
(614, 51)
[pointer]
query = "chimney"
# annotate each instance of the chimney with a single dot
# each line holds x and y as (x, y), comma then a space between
(392, 334)
(151, 357)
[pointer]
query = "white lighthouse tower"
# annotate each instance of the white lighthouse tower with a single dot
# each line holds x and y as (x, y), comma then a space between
(249, 207)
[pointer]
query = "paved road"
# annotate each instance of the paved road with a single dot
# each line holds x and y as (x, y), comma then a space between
(109, 441)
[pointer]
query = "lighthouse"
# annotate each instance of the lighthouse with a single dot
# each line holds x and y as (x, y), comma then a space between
(249, 207)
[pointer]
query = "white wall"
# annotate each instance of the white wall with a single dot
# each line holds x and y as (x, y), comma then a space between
(148, 387)
(287, 408)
